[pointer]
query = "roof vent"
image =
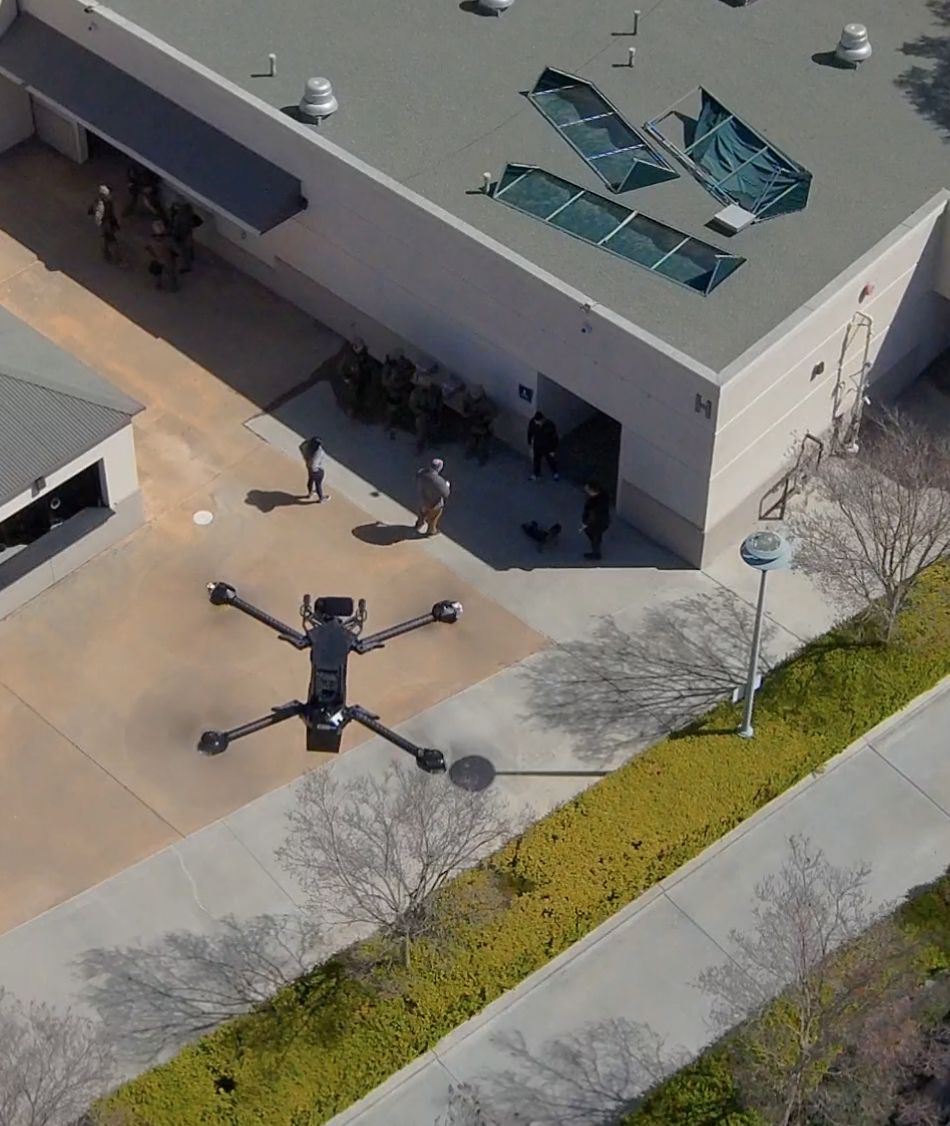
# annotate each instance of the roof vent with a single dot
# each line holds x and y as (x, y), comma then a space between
(853, 46)
(496, 6)
(318, 100)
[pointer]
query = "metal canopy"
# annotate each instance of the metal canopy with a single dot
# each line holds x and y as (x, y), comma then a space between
(195, 157)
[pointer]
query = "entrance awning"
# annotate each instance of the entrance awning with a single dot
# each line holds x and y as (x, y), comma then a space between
(195, 157)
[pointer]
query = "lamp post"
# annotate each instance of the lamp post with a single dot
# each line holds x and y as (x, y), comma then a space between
(765, 551)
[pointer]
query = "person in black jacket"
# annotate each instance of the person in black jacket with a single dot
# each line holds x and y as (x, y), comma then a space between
(544, 441)
(596, 518)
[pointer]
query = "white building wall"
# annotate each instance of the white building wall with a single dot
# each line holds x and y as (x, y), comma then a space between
(121, 476)
(771, 400)
(37, 567)
(16, 117)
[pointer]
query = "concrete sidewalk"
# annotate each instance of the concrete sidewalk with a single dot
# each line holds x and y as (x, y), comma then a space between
(583, 1036)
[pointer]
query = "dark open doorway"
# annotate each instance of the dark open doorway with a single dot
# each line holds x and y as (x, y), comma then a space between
(51, 510)
(590, 439)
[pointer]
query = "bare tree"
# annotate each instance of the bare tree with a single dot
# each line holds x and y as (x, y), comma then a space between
(187, 983)
(814, 948)
(876, 522)
(52, 1065)
(378, 850)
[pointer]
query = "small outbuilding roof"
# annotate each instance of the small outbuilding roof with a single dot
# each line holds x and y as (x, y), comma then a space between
(53, 408)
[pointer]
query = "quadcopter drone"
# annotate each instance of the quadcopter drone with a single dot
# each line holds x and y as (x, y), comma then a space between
(331, 631)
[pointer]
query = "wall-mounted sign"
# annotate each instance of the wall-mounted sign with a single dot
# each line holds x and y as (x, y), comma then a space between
(526, 393)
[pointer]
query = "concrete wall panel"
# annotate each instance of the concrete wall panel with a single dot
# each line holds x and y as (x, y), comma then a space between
(16, 112)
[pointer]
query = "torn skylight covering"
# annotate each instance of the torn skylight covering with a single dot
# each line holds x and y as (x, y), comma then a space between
(620, 156)
(608, 224)
(734, 162)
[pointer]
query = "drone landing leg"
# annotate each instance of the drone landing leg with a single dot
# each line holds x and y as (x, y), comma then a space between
(427, 758)
(215, 742)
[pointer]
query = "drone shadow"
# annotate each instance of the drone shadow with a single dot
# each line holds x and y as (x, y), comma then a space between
(385, 535)
(266, 500)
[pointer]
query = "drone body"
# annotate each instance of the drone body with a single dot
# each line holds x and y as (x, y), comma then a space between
(331, 633)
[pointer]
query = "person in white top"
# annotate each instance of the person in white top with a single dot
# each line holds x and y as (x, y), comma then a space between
(315, 459)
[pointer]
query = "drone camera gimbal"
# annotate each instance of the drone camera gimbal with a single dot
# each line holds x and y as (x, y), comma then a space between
(331, 631)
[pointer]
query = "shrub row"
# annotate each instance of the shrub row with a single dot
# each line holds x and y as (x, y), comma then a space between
(330, 1040)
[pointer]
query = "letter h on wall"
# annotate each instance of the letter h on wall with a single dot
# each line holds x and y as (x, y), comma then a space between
(703, 406)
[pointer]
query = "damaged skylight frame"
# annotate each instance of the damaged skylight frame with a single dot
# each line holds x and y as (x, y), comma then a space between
(609, 225)
(783, 184)
(596, 130)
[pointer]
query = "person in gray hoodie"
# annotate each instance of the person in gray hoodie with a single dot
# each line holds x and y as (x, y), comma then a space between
(315, 459)
(433, 491)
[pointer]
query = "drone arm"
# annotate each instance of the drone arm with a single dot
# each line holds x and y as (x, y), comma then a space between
(447, 612)
(378, 640)
(214, 742)
(223, 594)
(427, 758)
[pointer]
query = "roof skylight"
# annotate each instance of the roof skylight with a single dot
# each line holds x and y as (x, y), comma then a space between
(730, 159)
(607, 224)
(620, 156)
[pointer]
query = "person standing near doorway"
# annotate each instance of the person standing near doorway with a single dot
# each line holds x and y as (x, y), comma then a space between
(426, 405)
(433, 491)
(355, 368)
(398, 375)
(596, 517)
(315, 459)
(479, 412)
(543, 439)
(102, 209)
(143, 185)
(163, 258)
(182, 223)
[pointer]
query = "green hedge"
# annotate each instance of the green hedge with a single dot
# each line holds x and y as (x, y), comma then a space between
(572, 870)
(704, 1093)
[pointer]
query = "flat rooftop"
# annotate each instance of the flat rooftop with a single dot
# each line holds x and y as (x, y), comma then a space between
(433, 93)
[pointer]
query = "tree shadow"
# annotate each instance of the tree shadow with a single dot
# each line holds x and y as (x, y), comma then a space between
(617, 688)
(928, 87)
(155, 998)
(592, 1078)
(266, 500)
(385, 535)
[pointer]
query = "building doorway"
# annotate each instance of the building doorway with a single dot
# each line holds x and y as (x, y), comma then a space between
(51, 510)
(590, 439)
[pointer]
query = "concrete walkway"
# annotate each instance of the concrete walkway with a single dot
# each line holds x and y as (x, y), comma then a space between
(582, 1037)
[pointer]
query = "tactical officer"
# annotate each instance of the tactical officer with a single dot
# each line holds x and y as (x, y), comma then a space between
(355, 366)
(398, 376)
(425, 402)
(480, 413)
